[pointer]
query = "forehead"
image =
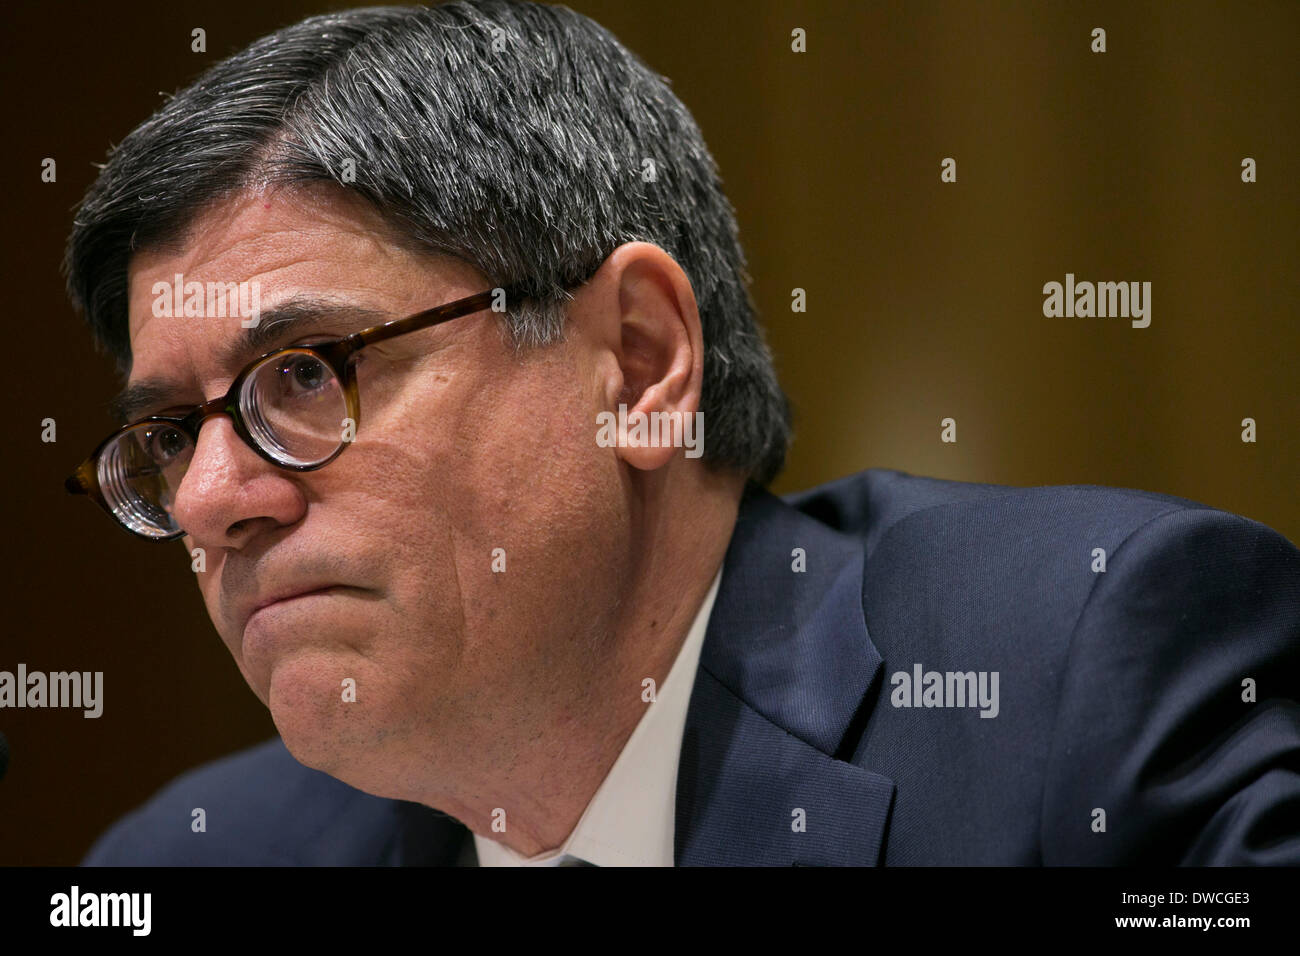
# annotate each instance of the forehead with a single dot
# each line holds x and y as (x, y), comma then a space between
(270, 247)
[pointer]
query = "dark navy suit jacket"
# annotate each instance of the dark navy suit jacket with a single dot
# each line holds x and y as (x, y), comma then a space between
(1124, 732)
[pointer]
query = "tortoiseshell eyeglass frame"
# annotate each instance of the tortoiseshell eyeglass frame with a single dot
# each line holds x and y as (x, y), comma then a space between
(337, 353)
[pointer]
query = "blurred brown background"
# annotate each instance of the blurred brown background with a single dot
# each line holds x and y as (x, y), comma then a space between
(924, 298)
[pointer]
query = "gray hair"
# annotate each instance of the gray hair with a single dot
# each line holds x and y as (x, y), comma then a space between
(511, 136)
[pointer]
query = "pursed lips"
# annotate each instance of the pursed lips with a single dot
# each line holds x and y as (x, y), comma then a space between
(289, 595)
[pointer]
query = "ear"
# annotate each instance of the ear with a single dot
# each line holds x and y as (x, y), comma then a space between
(651, 327)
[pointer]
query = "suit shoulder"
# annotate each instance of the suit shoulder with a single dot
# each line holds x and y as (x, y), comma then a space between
(875, 502)
(259, 807)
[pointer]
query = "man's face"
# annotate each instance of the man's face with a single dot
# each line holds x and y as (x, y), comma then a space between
(461, 448)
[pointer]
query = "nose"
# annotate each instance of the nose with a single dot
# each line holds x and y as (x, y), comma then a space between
(229, 493)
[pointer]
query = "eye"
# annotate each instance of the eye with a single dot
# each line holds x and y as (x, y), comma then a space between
(301, 375)
(163, 443)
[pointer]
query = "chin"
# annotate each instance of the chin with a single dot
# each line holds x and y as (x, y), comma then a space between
(306, 698)
(349, 757)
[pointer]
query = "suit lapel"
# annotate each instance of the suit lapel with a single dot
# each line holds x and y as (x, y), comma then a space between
(779, 697)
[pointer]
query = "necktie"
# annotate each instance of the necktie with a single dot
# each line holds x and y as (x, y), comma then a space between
(573, 861)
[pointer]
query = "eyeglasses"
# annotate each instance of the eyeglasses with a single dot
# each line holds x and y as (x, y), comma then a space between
(297, 407)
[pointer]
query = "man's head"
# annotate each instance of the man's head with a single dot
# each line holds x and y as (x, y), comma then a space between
(389, 160)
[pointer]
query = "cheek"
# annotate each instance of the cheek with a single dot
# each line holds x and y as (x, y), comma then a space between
(535, 484)
(527, 458)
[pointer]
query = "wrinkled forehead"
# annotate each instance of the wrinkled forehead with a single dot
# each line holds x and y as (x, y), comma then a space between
(248, 236)
(240, 258)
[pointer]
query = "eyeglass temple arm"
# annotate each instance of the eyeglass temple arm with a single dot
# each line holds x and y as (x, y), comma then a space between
(80, 481)
(431, 317)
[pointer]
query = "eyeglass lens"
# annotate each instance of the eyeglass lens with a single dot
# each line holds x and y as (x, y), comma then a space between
(293, 405)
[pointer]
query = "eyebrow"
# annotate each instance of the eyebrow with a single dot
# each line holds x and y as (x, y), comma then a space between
(274, 326)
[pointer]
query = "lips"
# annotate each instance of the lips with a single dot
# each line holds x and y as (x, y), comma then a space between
(289, 595)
